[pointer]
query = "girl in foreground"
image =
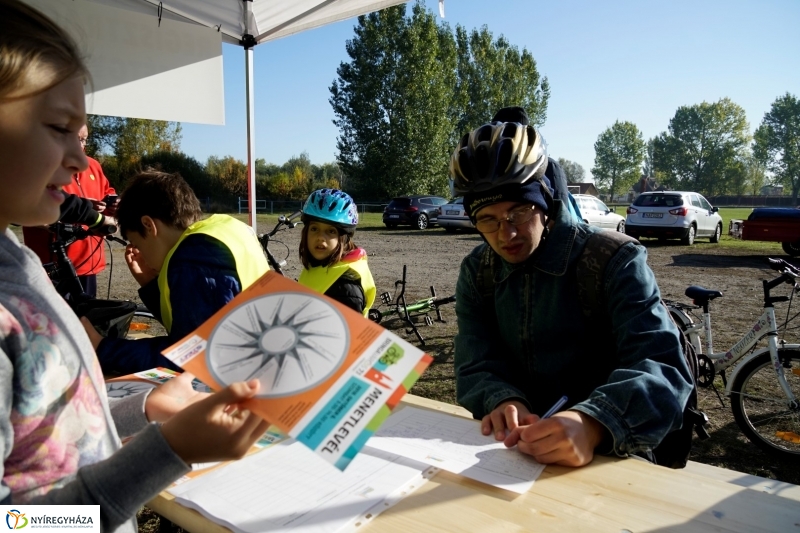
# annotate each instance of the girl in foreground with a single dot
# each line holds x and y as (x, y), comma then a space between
(58, 436)
(332, 263)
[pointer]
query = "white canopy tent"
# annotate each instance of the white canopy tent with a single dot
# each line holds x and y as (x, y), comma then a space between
(163, 60)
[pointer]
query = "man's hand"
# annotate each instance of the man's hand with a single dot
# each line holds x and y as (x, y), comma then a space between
(94, 336)
(105, 227)
(142, 273)
(216, 428)
(98, 205)
(567, 438)
(111, 208)
(506, 416)
(168, 399)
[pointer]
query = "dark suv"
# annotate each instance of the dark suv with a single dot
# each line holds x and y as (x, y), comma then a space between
(418, 211)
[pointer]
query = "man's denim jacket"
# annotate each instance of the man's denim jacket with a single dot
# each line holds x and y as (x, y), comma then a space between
(626, 369)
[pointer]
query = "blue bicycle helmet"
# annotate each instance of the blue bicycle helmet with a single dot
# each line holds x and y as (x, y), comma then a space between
(333, 207)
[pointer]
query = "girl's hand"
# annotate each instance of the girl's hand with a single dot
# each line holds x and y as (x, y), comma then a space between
(216, 428)
(94, 336)
(142, 273)
(168, 399)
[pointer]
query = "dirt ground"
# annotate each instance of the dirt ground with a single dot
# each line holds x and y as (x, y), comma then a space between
(433, 256)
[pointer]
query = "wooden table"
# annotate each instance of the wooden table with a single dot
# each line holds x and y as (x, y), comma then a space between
(610, 495)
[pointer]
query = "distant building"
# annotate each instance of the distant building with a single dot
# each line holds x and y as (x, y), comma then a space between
(646, 185)
(772, 190)
(583, 188)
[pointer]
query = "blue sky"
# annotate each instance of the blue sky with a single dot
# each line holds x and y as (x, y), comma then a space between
(634, 60)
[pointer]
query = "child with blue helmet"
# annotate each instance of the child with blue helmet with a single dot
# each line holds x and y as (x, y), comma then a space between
(332, 263)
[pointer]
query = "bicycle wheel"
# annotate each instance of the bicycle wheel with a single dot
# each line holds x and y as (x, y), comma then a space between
(759, 404)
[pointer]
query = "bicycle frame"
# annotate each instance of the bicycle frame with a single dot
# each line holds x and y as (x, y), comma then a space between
(765, 326)
(265, 238)
(406, 311)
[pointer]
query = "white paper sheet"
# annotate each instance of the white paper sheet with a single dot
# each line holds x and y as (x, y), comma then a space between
(285, 488)
(456, 445)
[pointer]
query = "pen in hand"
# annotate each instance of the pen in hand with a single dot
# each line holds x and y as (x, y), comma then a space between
(553, 410)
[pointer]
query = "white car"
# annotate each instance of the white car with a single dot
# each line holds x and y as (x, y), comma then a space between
(596, 213)
(673, 215)
(454, 217)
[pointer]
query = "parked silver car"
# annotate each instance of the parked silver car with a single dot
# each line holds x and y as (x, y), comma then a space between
(596, 213)
(673, 215)
(453, 216)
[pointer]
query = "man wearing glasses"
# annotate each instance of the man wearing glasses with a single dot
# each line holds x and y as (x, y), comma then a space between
(523, 341)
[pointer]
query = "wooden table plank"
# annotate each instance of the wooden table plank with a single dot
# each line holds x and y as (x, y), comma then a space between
(610, 495)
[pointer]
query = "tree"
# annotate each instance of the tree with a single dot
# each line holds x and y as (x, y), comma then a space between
(619, 153)
(702, 142)
(778, 142)
(129, 139)
(574, 172)
(410, 89)
(188, 167)
(493, 74)
(391, 102)
(230, 174)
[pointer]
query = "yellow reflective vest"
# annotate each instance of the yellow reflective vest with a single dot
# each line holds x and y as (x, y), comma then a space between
(239, 238)
(320, 278)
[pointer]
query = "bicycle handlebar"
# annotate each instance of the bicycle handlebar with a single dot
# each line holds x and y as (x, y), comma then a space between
(784, 267)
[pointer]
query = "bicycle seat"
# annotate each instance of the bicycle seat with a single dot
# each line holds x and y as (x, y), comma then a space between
(701, 295)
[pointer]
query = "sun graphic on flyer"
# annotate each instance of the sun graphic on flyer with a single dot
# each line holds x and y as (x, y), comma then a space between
(289, 341)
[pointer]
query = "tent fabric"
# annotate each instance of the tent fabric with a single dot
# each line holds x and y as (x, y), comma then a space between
(272, 19)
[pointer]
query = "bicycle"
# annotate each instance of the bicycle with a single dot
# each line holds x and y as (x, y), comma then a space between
(284, 222)
(407, 312)
(765, 384)
(112, 318)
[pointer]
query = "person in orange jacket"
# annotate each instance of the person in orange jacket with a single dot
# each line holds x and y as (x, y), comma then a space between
(87, 255)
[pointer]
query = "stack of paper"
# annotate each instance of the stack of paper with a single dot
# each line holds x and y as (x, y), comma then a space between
(456, 445)
(285, 488)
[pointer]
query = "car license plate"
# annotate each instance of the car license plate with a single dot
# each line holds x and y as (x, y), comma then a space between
(394, 216)
(452, 212)
(653, 215)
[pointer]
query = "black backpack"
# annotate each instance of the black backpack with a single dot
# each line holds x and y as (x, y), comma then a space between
(673, 451)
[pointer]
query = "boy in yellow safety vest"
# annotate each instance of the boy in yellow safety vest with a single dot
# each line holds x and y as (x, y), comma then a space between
(187, 268)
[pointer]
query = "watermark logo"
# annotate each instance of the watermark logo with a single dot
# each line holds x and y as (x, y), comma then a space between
(16, 519)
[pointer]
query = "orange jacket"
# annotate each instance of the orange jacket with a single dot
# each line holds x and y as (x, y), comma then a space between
(88, 255)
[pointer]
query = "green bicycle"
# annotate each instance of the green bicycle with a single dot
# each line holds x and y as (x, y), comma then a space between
(409, 312)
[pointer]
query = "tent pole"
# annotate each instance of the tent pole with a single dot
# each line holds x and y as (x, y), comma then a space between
(249, 42)
(251, 141)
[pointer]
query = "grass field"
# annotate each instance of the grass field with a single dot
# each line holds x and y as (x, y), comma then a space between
(374, 220)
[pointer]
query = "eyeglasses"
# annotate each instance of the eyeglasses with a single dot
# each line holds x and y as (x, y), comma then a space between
(83, 140)
(515, 217)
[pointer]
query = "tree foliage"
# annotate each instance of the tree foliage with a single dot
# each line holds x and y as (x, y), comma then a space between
(128, 140)
(777, 141)
(493, 74)
(391, 102)
(702, 144)
(575, 172)
(408, 92)
(229, 173)
(619, 153)
(188, 167)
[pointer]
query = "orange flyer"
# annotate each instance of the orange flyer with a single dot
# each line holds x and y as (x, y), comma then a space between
(329, 377)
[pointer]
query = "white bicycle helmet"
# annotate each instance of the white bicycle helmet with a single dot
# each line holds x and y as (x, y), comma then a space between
(495, 154)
